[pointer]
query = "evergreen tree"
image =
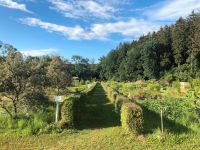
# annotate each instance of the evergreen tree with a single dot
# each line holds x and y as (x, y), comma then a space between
(193, 40)
(179, 42)
(150, 59)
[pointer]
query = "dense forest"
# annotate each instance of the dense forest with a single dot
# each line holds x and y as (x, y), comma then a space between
(172, 53)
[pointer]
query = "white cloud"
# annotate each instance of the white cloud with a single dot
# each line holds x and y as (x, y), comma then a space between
(131, 28)
(172, 10)
(83, 8)
(71, 32)
(39, 52)
(14, 5)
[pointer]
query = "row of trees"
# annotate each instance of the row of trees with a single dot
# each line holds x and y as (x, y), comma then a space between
(174, 48)
(24, 80)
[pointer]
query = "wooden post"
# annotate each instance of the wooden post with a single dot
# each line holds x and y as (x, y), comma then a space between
(57, 100)
(57, 112)
(161, 118)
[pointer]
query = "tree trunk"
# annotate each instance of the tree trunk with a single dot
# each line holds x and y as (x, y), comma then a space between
(15, 115)
(191, 63)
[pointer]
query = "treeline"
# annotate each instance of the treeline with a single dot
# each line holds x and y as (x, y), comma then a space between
(172, 52)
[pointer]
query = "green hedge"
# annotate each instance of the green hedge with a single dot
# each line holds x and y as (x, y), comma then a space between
(132, 118)
(120, 100)
(72, 108)
(115, 98)
(112, 94)
(68, 111)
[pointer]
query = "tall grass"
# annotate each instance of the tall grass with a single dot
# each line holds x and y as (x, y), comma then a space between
(35, 123)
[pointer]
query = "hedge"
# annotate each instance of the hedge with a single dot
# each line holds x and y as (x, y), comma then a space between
(132, 118)
(72, 108)
(120, 100)
(116, 98)
(68, 112)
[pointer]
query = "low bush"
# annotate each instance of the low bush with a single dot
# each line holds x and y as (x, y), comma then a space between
(72, 108)
(132, 118)
(176, 85)
(155, 86)
(69, 108)
(112, 94)
(119, 102)
(29, 124)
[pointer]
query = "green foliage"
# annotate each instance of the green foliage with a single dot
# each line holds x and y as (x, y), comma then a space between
(29, 124)
(84, 68)
(176, 85)
(132, 118)
(178, 110)
(120, 100)
(72, 108)
(173, 48)
(155, 86)
(59, 73)
(150, 59)
(179, 41)
(68, 110)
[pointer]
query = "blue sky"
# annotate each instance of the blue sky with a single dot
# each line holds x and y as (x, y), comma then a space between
(90, 28)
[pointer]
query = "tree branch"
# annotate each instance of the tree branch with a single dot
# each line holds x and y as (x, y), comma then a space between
(5, 108)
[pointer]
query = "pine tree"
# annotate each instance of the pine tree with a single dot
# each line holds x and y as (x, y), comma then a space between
(165, 39)
(193, 39)
(179, 42)
(150, 56)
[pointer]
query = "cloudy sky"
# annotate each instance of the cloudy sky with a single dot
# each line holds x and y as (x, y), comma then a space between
(90, 28)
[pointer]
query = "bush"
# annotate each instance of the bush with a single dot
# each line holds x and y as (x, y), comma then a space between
(72, 108)
(119, 102)
(132, 118)
(176, 85)
(155, 86)
(112, 94)
(22, 124)
(138, 96)
(69, 108)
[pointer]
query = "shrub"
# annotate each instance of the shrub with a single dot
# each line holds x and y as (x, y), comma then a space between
(4, 120)
(139, 96)
(132, 118)
(119, 102)
(68, 111)
(112, 94)
(21, 124)
(176, 85)
(72, 108)
(155, 86)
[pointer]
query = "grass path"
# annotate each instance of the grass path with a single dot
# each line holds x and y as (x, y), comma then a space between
(99, 112)
(99, 129)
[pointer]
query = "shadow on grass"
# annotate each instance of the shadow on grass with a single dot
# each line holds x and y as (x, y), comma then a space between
(152, 122)
(98, 112)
